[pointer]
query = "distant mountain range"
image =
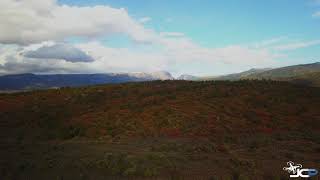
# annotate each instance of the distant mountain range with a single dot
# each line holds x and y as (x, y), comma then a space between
(306, 74)
(33, 81)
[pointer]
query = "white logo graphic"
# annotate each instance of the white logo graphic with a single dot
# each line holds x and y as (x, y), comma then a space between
(297, 171)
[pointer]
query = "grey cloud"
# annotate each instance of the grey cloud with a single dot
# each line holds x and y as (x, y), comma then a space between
(15, 66)
(41, 66)
(59, 51)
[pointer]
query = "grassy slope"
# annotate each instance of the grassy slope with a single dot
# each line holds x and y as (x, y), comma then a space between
(236, 76)
(287, 72)
(305, 74)
(311, 79)
(161, 129)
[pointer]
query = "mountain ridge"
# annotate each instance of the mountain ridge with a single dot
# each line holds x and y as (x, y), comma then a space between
(30, 81)
(306, 74)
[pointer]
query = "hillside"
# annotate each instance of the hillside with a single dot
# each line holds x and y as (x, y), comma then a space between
(164, 129)
(310, 79)
(287, 72)
(237, 76)
(306, 74)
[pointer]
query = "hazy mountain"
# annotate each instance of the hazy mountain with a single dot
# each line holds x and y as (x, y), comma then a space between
(188, 77)
(32, 81)
(160, 75)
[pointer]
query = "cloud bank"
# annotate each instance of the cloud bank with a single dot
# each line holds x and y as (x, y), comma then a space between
(35, 37)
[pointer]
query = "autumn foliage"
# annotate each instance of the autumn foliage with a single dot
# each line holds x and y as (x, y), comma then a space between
(161, 108)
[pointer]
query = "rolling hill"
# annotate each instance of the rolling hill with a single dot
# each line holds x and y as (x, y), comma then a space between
(286, 72)
(305, 74)
(236, 76)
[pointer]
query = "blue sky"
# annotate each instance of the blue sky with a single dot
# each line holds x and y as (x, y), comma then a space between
(216, 23)
(207, 37)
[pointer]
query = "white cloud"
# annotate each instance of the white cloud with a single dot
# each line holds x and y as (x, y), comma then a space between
(33, 21)
(317, 2)
(270, 42)
(145, 19)
(296, 45)
(283, 43)
(176, 55)
(169, 20)
(109, 59)
(316, 14)
(172, 34)
(179, 53)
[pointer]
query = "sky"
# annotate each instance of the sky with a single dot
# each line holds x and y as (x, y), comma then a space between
(202, 38)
